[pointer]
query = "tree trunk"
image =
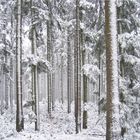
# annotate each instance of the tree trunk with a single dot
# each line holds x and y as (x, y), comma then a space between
(49, 50)
(69, 72)
(99, 55)
(35, 96)
(53, 82)
(5, 65)
(6, 82)
(112, 117)
(85, 80)
(11, 84)
(19, 112)
(11, 68)
(2, 88)
(62, 94)
(77, 71)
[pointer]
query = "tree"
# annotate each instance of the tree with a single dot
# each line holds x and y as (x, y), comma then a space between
(11, 66)
(35, 96)
(128, 34)
(69, 71)
(77, 71)
(49, 53)
(100, 50)
(85, 79)
(5, 64)
(112, 117)
(19, 111)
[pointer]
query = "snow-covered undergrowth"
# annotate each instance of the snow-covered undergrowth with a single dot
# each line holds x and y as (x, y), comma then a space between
(61, 126)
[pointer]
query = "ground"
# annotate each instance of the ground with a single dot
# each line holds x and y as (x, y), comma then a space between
(61, 126)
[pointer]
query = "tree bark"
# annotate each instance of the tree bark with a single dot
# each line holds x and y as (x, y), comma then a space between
(112, 117)
(49, 53)
(62, 94)
(85, 80)
(69, 71)
(35, 94)
(77, 71)
(19, 111)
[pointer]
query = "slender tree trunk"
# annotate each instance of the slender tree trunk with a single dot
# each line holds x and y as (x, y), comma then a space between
(5, 64)
(121, 50)
(112, 117)
(35, 96)
(77, 71)
(49, 50)
(11, 84)
(2, 88)
(99, 95)
(53, 82)
(62, 94)
(52, 62)
(85, 80)
(19, 112)
(11, 69)
(6, 83)
(69, 72)
(99, 55)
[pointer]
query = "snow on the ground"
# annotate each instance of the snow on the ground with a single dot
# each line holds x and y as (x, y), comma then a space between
(61, 126)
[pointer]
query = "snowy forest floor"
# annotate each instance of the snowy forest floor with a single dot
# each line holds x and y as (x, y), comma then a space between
(61, 126)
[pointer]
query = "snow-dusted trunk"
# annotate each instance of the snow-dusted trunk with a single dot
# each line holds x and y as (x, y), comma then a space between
(53, 81)
(49, 50)
(52, 62)
(11, 84)
(121, 50)
(77, 71)
(69, 71)
(19, 111)
(99, 54)
(85, 80)
(5, 65)
(62, 94)
(6, 81)
(35, 96)
(112, 118)
(11, 69)
(99, 94)
(1, 89)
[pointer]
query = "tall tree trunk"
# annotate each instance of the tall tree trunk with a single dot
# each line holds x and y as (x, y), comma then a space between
(11, 68)
(112, 117)
(35, 96)
(6, 81)
(49, 53)
(62, 94)
(77, 71)
(5, 64)
(85, 80)
(53, 81)
(11, 84)
(52, 62)
(99, 55)
(121, 50)
(2, 88)
(69, 71)
(19, 112)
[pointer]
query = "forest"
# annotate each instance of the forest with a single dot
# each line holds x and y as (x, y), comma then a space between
(69, 69)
